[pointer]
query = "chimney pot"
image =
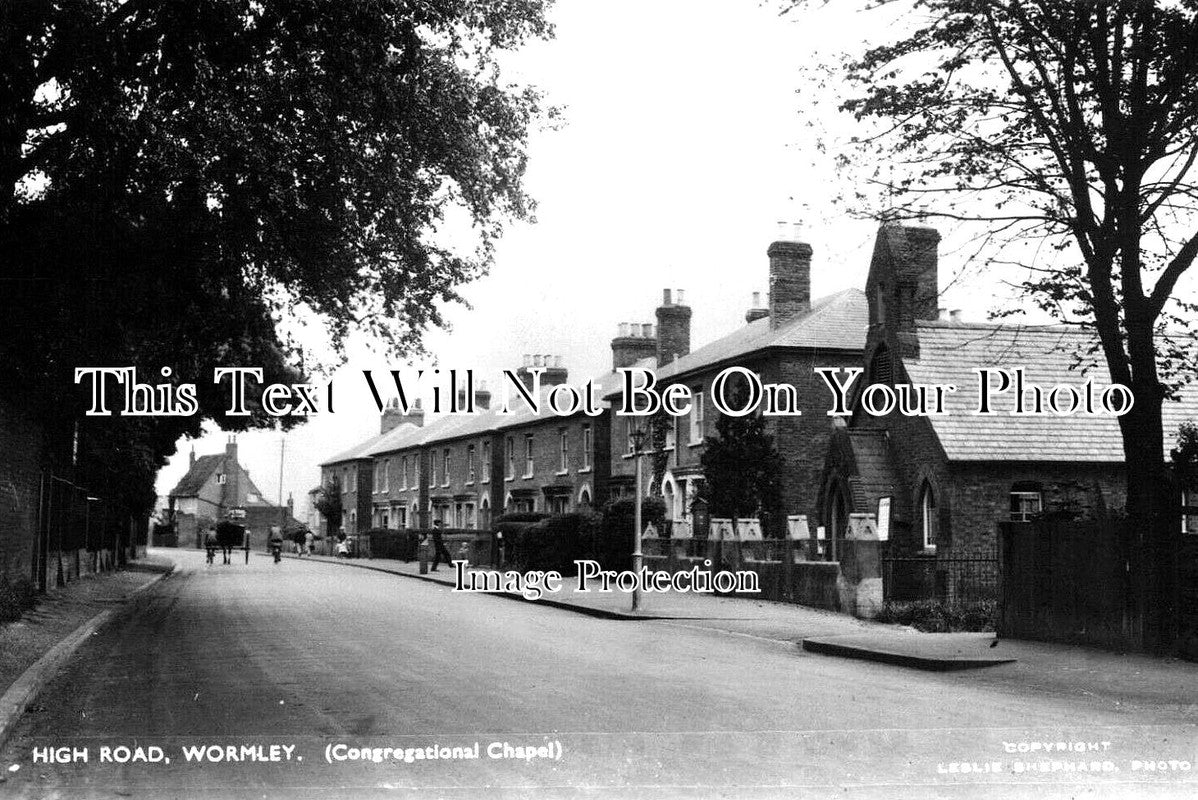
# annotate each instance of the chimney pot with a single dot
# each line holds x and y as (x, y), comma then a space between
(681, 295)
(665, 297)
(955, 314)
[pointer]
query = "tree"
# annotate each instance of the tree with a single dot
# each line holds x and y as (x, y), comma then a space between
(1070, 125)
(328, 503)
(742, 469)
(179, 180)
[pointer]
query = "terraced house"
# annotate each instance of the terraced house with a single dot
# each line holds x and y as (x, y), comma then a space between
(465, 469)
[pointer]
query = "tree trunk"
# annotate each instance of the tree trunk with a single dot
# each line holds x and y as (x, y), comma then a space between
(1153, 509)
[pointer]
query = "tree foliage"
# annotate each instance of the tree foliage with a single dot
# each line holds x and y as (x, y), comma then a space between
(1068, 133)
(328, 502)
(742, 470)
(178, 181)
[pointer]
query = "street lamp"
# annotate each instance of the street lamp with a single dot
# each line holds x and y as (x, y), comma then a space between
(638, 437)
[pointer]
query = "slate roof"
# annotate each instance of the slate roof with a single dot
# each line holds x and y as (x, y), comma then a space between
(835, 322)
(875, 477)
(360, 450)
(197, 475)
(948, 353)
(457, 426)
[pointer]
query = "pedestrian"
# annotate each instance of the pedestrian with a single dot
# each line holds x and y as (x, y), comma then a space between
(309, 542)
(439, 552)
(210, 543)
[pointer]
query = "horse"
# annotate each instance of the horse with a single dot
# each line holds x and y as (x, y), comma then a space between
(228, 536)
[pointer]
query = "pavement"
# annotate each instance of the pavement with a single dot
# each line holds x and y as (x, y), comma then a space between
(34, 648)
(272, 680)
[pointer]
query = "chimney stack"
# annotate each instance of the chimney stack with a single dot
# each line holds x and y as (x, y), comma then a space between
(790, 281)
(553, 373)
(415, 414)
(482, 397)
(673, 328)
(756, 311)
(633, 342)
(391, 416)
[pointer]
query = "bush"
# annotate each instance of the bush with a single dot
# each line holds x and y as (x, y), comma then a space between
(393, 543)
(552, 543)
(935, 616)
(15, 599)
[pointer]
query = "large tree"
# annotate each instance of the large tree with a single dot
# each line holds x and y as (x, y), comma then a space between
(180, 180)
(1072, 125)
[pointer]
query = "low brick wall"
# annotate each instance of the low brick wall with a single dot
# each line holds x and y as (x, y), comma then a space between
(781, 570)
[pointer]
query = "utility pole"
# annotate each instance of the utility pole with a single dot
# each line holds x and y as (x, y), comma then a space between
(282, 506)
(638, 437)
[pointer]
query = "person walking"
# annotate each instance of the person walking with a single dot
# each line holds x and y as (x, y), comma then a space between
(440, 554)
(309, 543)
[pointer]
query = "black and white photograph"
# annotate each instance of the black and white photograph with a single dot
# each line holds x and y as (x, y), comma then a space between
(578, 399)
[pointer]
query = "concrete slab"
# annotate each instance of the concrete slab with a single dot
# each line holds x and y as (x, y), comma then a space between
(930, 651)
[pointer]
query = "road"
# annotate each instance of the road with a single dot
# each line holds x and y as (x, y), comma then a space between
(323, 661)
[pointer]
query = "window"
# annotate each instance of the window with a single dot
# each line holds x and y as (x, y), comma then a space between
(559, 504)
(470, 463)
(384, 488)
(1026, 501)
(220, 479)
(403, 473)
(630, 434)
(432, 470)
(1189, 511)
(415, 484)
(528, 462)
(445, 467)
(671, 433)
(564, 449)
(697, 418)
(586, 447)
(927, 517)
(511, 458)
(486, 465)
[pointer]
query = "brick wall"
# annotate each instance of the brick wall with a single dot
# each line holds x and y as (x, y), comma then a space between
(801, 440)
(22, 460)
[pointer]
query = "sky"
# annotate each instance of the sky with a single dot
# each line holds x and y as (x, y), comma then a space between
(685, 141)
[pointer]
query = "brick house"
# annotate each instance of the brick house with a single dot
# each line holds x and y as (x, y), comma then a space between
(952, 477)
(782, 342)
(212, 488)
(464, 470)
(352, 471)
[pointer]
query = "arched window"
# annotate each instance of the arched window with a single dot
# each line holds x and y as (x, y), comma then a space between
(927, 516)
(881, 366)
(1027, 501)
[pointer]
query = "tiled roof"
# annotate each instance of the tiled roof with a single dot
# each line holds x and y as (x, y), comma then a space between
(835, 322)
(360, 450)
(197, 475)
(948, 354)
(875, 476)
(457, 426)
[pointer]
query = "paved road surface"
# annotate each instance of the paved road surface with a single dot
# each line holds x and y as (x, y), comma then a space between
(321, 660)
